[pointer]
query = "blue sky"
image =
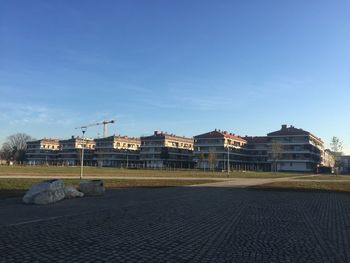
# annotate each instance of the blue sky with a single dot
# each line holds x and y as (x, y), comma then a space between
(185, 67)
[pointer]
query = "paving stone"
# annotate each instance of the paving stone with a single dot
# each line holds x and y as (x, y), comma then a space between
(188, 225)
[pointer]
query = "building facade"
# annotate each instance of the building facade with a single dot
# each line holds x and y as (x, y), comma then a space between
(118, 151)
(163, 150)
(295, 150)
(257, 150)
(288, 149)
(327, 162)
(218, 150)
(345, 164)
(71, 151)
(42, 152)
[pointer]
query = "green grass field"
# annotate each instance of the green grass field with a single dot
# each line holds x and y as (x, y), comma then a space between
(15, 187)
(56, 171)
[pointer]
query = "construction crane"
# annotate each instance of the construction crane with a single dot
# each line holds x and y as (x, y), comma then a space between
(83, 130)
(104, 123)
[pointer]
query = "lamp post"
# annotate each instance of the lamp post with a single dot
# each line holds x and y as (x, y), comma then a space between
(127, 160)
(83, 130)
(228, 161)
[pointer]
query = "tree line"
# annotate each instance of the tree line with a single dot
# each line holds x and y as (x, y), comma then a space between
(15, 147)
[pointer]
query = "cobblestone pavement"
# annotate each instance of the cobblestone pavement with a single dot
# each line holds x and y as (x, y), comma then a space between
(180, 225)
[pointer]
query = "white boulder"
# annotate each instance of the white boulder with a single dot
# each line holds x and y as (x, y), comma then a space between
(92, 187)
(48, 197)
(45, 192)
(71, 192)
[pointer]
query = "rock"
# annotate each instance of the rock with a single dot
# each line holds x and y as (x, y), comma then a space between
(48, 197)
(92, 187)
(71, 192)
(45, 192)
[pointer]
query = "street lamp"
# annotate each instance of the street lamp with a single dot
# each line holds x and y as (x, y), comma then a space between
(228, 160)
(83, 130)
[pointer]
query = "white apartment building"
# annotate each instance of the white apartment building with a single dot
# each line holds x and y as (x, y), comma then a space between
(118, 151)
(71, 151)
(219, 149)
(163, 150)
(44, 151)
(295, 150)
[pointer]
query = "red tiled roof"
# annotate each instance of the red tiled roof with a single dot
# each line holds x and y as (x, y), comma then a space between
(291, 130)
(288, 131)
(220, 134)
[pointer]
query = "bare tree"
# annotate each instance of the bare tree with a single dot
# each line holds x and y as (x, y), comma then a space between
(201, 159)
(276, 153)
(336, 149)
(6, 152)
(15, 146)
(212, 160)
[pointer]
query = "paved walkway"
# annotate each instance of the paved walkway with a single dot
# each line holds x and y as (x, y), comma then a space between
(244, 182)
(183, 224)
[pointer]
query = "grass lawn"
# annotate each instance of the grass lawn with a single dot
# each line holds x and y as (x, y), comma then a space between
(17, 187)
(56, 171)
(299, 185)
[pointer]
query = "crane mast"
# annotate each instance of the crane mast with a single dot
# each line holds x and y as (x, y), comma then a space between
(105, 131)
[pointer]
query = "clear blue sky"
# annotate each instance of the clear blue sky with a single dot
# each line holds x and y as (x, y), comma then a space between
(185, 67)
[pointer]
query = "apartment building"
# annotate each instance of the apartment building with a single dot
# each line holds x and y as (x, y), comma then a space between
(118, 151)
(163, 150)
(287, 149)
(293, 149)
(345, 164)
(219, 149)
(71, 150)
(44, 151)
(327, 161)
(257, 150)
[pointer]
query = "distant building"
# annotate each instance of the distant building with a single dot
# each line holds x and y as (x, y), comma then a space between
(44, 151)
(292, 149)
(218, 149)
(163, 150)
(327, 161)
(71, 149)
(118, 151)
(345, 164)
(288, 149)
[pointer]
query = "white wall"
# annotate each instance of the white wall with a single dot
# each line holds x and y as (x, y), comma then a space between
(293, 166)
